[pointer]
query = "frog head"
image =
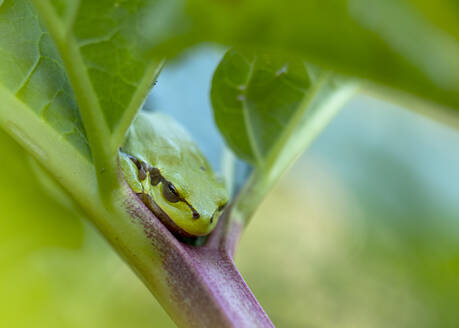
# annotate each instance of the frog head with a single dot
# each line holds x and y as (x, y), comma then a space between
(167, 170)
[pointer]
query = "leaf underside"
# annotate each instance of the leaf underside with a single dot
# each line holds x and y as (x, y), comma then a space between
(32, 72)
(254, 97)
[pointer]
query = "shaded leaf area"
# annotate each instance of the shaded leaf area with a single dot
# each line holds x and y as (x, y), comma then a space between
(109, 36)
(410, 45)
(32, 72)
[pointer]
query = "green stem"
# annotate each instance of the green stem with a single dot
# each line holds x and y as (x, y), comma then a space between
(103, 152)
(144, 87)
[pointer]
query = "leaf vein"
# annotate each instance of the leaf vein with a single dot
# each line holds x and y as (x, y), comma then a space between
(248, 121)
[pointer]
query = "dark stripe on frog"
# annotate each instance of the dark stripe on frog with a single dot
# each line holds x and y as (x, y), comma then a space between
(155, 176)
(162, 216)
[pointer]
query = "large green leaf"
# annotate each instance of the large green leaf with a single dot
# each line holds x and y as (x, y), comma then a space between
(410, 45)
(32, 74)
(37, 104)
(269, 107)
(84, 76)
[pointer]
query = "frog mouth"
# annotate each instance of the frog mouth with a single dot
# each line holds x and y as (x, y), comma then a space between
(163, 217)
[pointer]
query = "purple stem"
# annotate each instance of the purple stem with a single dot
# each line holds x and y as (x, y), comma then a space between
(203, 286)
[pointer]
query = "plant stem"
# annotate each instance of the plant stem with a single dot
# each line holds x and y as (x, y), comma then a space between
(197, 286)
(103, 152)
(151, 74)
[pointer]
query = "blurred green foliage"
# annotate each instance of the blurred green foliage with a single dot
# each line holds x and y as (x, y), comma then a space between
(358, 232)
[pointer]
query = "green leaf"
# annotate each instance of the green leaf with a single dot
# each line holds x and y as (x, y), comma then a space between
(32, 73)
(37, 105)
(108, 40)
(253, 97)
(110, 46)
(409, 45)
(269, 108)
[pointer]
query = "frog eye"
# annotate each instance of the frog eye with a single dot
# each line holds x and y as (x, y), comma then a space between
(170, 193)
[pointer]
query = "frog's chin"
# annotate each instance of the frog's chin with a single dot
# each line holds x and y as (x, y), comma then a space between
(163, 217)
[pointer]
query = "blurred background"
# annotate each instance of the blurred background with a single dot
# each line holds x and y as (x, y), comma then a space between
(361, 232)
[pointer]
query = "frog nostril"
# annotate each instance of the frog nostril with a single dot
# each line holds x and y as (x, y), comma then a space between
(195, 213)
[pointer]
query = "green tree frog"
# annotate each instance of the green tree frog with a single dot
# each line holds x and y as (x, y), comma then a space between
(166, 169)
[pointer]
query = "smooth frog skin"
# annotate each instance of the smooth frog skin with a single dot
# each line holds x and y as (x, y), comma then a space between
(163, 165)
